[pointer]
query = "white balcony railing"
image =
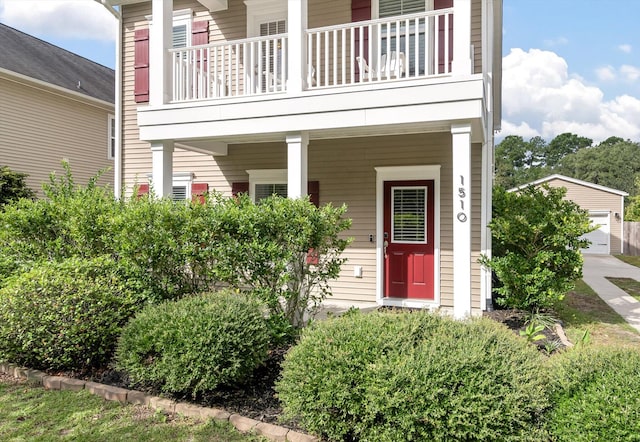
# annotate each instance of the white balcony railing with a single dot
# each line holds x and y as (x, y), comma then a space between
(220, 70)
(389, 49)
(408, 46)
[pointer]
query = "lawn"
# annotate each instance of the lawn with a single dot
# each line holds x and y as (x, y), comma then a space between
(582, 310)
(633, 260)
(32, 413)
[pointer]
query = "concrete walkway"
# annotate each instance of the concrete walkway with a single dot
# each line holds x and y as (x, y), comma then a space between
(596, 268)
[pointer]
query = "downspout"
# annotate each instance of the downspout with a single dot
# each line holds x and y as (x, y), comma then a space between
(117, 160)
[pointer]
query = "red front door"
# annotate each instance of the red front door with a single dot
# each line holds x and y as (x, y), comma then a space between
(409, 239)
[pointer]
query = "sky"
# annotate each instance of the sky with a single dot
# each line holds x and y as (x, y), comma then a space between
(568, 65)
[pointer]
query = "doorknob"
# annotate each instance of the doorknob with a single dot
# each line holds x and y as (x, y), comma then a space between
(385, 245)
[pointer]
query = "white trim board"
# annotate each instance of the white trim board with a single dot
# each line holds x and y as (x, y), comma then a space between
(570, 180)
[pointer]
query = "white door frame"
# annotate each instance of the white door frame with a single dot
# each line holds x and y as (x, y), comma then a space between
(407, 173)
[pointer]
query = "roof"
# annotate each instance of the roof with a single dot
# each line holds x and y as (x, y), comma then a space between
(570, 180)
(29, 56)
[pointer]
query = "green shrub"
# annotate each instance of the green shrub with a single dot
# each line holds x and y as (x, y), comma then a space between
(64, 315)
(72, 221)
(394, 377)
(537, 237)
(595, 395)
(13, 186)
(194, 344)
(265, 249)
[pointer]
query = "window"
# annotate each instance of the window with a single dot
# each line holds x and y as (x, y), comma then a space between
(181, 186)
(390, 8)
(181, 27)
(111, 139)
(266, 182)
(408, 207)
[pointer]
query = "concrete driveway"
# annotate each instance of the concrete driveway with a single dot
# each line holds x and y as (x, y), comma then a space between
(596, 268)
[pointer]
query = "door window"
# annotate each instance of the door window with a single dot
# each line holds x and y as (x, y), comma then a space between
(409, 224)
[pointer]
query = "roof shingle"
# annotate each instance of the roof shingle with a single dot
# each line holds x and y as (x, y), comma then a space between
(32, 57)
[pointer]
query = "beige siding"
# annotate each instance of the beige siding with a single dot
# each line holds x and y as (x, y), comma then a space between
(344, 167)
(476, 35)
(595, 200)
(39, 128)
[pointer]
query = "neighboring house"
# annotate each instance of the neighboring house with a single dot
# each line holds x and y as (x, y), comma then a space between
(605, 207)
(54, 105)
(389, 106)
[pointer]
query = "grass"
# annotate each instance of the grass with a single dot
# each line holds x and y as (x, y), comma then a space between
(582, 310)
(629, 285)
(633, 260)
(32, 413)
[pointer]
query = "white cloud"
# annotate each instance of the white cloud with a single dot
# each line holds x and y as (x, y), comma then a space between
(73, 19)
(606, 73)
(540, 97)
(626, 48)
(631, 73)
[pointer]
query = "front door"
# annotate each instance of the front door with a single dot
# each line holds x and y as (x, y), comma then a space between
(409, 239)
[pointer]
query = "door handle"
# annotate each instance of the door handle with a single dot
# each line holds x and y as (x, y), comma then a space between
(385, 245)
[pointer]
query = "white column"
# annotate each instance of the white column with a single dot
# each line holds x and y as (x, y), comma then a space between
(162, 167)
(297, 27)
(160, 41)
(461, 153)
(461, 64)
(297, 154)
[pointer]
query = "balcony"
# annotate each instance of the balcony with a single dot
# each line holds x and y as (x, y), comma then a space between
(402, 74)
(410, 47)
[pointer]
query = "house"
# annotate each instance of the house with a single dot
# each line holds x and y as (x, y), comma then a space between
(605, 207)
(389, 106)
(54, 106)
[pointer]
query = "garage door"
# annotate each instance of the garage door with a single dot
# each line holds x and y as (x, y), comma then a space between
(600, 237)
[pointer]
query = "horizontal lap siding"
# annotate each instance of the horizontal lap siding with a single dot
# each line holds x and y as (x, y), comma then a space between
(224, 25)
(600, 201)
(476, 35)
(38, 129)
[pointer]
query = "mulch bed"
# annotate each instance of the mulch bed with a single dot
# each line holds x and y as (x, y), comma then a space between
(256, 398)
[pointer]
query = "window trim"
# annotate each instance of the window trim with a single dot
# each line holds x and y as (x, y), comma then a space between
(111, 137)
(265, 176)
(179, 179)
(180, 17)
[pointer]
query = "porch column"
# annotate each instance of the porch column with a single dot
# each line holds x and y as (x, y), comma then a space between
(461, 154)
(461, 64)
(162, 167)
(160, 41)
(297, 60)
(297, 147)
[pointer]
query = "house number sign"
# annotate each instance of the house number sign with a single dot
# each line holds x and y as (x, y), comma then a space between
(462, 193)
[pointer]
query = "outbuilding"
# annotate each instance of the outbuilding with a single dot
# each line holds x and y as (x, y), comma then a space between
(605, 206)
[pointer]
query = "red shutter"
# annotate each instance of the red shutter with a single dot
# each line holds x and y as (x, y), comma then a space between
(442, 4)
(200, 36)
(313, 188)
(200, 33)
(239, 187)
(361, 11)
(142, 190)
(198, 192)
(141, 65)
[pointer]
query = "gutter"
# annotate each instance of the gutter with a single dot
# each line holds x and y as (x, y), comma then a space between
(117, 160)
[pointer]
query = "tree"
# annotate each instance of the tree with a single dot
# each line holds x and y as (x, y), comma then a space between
(518, 161)
(613, 163)
(632, 211)
(13, 186)
(537, 237)
(563, 145)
